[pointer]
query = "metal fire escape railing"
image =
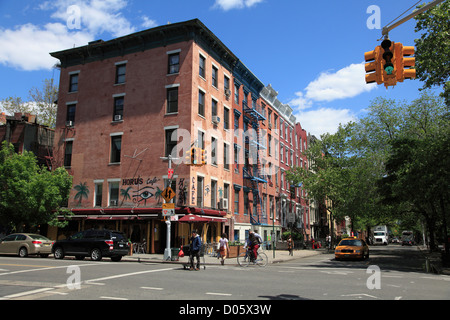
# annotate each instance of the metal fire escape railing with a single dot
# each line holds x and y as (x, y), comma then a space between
(253, 172)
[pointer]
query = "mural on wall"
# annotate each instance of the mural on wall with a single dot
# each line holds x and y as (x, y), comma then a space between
(182, 193)
(138, 191)
(82, 192)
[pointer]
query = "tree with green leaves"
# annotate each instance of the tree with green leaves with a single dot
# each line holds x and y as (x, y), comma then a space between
(30, 195)
(385, 145)
(433, 48)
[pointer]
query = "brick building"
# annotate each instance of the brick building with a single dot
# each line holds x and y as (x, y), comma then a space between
(23, 131)
(126, 103)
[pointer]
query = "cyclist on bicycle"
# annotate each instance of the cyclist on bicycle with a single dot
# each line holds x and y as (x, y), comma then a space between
(253, 242)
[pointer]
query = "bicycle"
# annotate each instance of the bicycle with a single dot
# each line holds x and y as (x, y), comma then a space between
(244, 259)
(140, 247)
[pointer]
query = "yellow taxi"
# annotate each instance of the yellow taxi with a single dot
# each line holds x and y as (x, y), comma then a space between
(351, 248)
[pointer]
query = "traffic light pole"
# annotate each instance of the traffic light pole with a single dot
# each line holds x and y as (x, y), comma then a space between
(387, 29)
(167, 251)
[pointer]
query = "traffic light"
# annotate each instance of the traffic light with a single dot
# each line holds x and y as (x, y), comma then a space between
(388, 62)
(373, 66)
(193, 156)
(202, 156)
(404, 62)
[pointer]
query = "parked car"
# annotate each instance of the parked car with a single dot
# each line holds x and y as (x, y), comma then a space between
(94, 244)
(352, 248)
(24, 244)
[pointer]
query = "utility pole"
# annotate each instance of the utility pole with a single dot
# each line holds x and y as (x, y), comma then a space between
(167, 251)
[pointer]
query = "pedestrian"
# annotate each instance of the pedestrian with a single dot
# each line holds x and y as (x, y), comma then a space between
(290, 245)
(195, 247)
(223, 248)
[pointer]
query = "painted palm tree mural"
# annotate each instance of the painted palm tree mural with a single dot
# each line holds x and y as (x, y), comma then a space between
(82, 192)
(125, 193)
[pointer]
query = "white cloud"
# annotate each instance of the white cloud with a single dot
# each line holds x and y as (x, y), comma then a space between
(97, 16)
(324, 120)
(235, 4)
(27, 47)
(148, 23)
(347, 82)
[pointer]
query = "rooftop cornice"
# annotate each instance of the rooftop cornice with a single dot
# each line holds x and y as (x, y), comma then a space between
(147, 39)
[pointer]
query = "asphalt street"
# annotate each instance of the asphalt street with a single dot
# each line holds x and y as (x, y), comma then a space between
(391, 273)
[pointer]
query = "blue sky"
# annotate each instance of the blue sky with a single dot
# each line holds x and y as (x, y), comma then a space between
(311, 52)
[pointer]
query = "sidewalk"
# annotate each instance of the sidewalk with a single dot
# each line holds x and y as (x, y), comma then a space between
(280, 256)
(434, 261)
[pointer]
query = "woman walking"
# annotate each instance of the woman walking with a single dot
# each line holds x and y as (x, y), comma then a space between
(223, 248)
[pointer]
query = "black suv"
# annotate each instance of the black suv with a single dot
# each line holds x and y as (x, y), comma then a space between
(93, 243)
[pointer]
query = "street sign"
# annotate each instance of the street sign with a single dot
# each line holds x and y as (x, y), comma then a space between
(168, 206)
(168, 212)
(168, 194)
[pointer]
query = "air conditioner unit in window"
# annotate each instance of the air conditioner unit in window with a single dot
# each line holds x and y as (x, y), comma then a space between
(113, 203)
(227, 93)
(118, 117)
(215, 119)
(223, 204)
(69, 123)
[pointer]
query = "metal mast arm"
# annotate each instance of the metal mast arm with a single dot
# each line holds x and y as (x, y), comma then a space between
(387, 29)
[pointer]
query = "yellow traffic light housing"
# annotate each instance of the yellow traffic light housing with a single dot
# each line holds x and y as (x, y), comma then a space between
(389, 63)
(192, 156)
(373, 66)
(404, 62)
(202, 156)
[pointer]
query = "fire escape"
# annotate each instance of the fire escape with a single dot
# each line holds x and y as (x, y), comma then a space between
(253, 172)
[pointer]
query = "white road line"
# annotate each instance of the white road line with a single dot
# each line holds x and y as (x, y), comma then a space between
(151, 288)
(112, 298)
(128, 275)
(26, 293)
(219, 294)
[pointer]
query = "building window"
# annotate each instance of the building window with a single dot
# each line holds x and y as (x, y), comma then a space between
(236, 158)
(201, 70)
(171, 142)
(98, 194)
(214, 151)
(174, 63)
(172, 100)
(68, 154)
(116, 147)
(201, 139)
(236, 201)
(73, 86)
(226, 84)
(236, 94)
(226, 156)
(214, 77)
(213, 194)
(213, 107)
(200, 191)
(201, 103)
(113, 194)
(120, 73)
(118, 108)
(226, 118)
(70, 119)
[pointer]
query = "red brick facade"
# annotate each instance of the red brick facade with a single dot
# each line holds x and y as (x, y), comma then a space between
(126, 103)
